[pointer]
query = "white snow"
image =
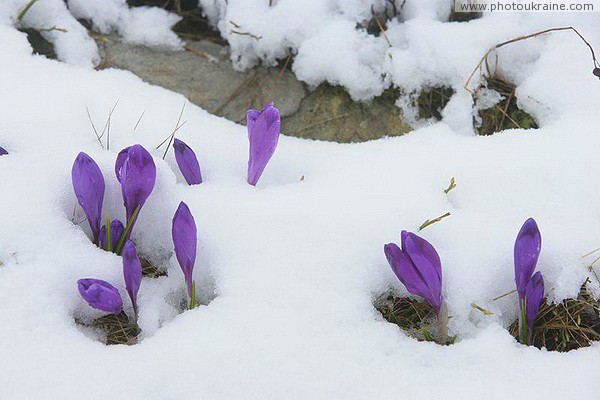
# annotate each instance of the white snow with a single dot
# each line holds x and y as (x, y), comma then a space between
(292, 267)
(148, 26)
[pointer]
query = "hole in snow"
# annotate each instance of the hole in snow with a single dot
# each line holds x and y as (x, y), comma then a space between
(498, 107)
(568, 325)
(432, 101)
(414, 316)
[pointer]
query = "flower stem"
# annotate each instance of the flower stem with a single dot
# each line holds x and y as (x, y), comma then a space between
(108, 235)
(523, 334)
(442, 324)
(193, 296)
(128, 228)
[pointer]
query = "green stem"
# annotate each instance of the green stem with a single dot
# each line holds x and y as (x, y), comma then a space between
(128, 228)
(108, 235)
(24, 11)
(193, 296)
(523, 334)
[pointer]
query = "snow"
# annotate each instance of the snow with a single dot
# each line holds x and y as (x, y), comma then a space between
(290, 269)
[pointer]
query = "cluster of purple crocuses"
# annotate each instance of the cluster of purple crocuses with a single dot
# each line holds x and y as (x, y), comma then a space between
(136, 172)
(418, 266)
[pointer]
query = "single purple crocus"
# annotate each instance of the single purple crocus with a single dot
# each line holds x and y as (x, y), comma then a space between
(527, 250)
(185, 237)
(116, 231)
(418, 266)
(132, 272)
(3, 151)
(187, 162)
(138, 174)
(88, 184)
(100, 295)
(533, 300)
(531, 292)
(263, 133)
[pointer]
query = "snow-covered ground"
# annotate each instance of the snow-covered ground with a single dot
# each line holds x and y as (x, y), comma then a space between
(293, 266)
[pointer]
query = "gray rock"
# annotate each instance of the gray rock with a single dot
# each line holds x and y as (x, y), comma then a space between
(205, 76)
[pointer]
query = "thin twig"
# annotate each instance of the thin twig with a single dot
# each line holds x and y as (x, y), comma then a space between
(93, 127)
(172, 135)
(139, 119)
(504, 295)
(485, 56)
(387, 39)
(432, 221)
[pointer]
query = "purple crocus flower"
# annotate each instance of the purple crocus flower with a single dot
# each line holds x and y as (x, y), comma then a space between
(116, 230)
(121, 157)
(527, 250)
(138, 174)
(88, 184)
(185, 237)
(3, 151)
(187, 162)
(132, 272)
(530, 286)
(418, 267)
(533, 299)
(101, 295)
(263, 133)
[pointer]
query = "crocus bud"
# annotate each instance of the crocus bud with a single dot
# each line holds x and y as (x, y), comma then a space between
(527, 250)
(100, 295)
(185, 237)
(121, 157)
(263, 133)
(3, 152)
(88, 184)
(418, 267)
(596, 72)
(187, 162)
(138, 174)
(116, 230)
(132, 272)
(534, 294)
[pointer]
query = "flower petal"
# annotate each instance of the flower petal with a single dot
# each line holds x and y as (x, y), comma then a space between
(187, 162)
(534, 294)
(185, 238)
(428, 264)
(132, 272)
(526, 252)
(121, 157)
(138, 175)
(408, 274)
(88, 184)
(263, 135)
(101, 295)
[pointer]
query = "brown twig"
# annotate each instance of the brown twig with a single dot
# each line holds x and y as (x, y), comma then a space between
(517, 39)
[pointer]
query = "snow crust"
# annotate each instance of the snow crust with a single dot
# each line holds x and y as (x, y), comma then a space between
(292, 267)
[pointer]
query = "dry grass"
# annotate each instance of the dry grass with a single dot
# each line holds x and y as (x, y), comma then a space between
(506, 114)
(569, 325)
(151, 271)
(416, 317)
(431, 102)
(117, 328)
